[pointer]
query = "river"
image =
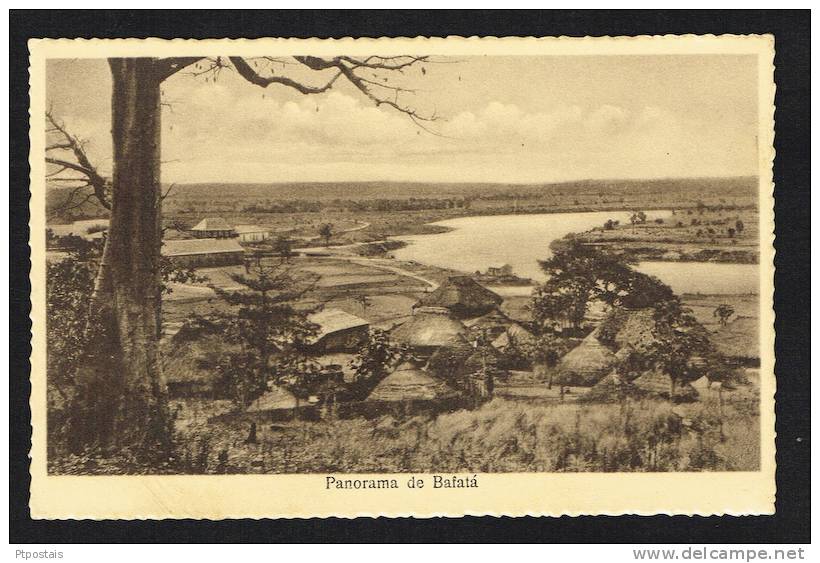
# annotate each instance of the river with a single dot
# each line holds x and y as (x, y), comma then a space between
(474, 243)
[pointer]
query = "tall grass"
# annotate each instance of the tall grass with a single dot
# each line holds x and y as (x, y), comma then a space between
(501, 436)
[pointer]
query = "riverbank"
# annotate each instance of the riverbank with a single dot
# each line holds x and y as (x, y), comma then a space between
(727, 235)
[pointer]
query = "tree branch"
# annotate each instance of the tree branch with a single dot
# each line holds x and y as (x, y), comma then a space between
(165, 68)
(346, 66)
(80, 163)
(248, 73)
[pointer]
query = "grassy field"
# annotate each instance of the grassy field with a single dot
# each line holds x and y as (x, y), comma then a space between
(501, 436)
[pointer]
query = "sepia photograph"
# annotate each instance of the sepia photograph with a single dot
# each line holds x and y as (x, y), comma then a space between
(397, 260)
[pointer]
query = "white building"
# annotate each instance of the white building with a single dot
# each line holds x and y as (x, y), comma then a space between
(251, 233)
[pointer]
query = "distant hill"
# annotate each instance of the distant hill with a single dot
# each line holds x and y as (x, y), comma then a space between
(216, 196)
(730, 187)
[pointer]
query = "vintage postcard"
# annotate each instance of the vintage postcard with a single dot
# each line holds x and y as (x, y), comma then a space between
(418, 277)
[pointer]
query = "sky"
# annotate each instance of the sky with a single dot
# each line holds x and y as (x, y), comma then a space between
(499, 119)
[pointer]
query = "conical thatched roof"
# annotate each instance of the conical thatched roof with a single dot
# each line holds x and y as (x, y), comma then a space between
(587, 363)
(430, 328)
(701, 384)
(278, 398)
(488, 357)
(192, 361)
(409, 383)
(653, 382)
(515, 332)
(738, 339)
(492, 320)
(463, 296)
(656, 383)
(628, 328)
(611, 388)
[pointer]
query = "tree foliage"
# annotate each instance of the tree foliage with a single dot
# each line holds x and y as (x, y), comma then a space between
(270, 335)
(722, 313)
(69, 283)
(326, 232)
(577, 274)
(376, 355)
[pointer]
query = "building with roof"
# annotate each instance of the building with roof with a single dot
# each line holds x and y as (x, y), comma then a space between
(213, 227)
(491, 325)
(189, 365)
(251, 233)
(429, 329)
(462, 296)
(738, 341)
(197, 253)
(628, 328)
(277, 404)
(655, 382)
(587, 363)
(612, 388)
(410, 387)
(339, 331)
(499, 270)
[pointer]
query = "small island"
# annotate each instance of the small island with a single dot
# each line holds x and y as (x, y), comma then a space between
(701, 233)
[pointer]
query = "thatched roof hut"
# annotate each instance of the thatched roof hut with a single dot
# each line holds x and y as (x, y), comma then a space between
(493, 323)
(513, 333)
(587, 363)
(654, 382)
(463, 296)
(739, 339)
(611, 388)
(276, 399)
(189, 365)
(339, 331)
(627, 328)
(430, 328)
(409, 383)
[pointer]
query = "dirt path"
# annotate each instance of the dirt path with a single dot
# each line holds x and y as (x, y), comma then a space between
(379, 264)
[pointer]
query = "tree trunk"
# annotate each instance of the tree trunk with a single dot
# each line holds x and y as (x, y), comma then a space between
(122, 400)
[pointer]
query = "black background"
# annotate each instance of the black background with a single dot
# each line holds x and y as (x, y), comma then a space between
(792, 295)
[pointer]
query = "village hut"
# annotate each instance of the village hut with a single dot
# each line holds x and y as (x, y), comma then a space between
(463, 296)
(189, 366)
(203, 252)
(411, 389)
(339, 362)
(627, 328)
(655, 382)
(277, 404)
(737, 341)
(513, 334)
(339, 331)
(492, 325)
(482, 372)
(429, 329)
(213, 227)
(586, 364)
(702, 385)
(612, 388)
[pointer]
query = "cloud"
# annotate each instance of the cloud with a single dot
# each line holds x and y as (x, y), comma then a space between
(600, 124)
